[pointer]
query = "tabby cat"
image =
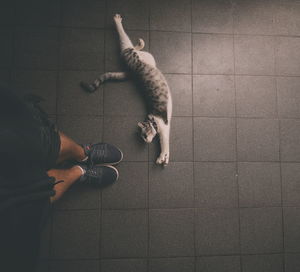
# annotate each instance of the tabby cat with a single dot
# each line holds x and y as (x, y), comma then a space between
(142, 65)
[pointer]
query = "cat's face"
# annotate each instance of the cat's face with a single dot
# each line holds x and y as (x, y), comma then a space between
(148, 132)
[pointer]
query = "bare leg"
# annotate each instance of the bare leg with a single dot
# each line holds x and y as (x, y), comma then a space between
(69, 150)
(124, 39)
(69, 176)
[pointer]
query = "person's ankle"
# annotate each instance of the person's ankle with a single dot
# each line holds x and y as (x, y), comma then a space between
(81, 169)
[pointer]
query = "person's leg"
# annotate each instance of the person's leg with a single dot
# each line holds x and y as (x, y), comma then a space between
(70, 150)
(98, 175)
(69, 176)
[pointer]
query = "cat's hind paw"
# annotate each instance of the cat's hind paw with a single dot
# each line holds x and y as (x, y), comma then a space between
(163, 159)
(140, 45)
(118, 18)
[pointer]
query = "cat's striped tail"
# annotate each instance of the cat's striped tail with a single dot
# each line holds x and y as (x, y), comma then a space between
(104, 77)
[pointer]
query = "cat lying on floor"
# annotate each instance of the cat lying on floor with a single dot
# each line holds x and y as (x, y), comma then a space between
(156, 90)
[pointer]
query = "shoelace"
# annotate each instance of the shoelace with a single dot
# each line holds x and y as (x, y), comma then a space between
(90, 174)
(96, 153)
(100, 153)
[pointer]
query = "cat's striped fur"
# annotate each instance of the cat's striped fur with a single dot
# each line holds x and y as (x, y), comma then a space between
(155, 88)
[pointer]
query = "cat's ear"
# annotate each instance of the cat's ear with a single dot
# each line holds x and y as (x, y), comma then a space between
(141, 125)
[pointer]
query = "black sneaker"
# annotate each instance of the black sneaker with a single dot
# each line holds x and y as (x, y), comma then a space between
(99, 175)
(102, 153)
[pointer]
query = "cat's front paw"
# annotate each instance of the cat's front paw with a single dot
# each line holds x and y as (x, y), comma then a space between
(163, 159)
(118, 18)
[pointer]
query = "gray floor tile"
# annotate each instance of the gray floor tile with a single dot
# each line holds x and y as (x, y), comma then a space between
(258, 140)
(53, 119)
(123, 132)
(82, 49)
(259, 184)
(253, 17)
(124, 233)
(255, 96)
(287, 18)
(288, 97)
(291, 218)
(7, 13)
(42, 265)
(124, 98)
(254, 55)
(172, 15)
(288, 56)
(49, 47)
(135, 13)
(72, 99)
(181, 91)
(73, 242)
(79, 197)
(171, 187)
(82, 129)
(81, 13)
(41, 83)
(36, 12)
(131, 189)
(124, 265)
(45, 239)
(181, 141)
(215, 185)
(36, 47)
(212, 16)
(74, 266)
(6, 47)
(289, 140)
(208, 145)
(292, 262)
(171, 233)
(113, 60)
(217, 232)
(262, 263)
(218, 264)
(261, 230)
(290, 184)
(172, 51)
(213, 96)
(5, 77)
(172, 265)
(212, 54)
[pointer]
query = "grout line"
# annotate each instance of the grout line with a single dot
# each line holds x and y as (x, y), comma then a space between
(211, 208)
(280, 157)
(236, 142)
(176, 116)
(171, 257)
(174, 162)
(166, 73)
(148, 149)
(193, 142)
(158, 30)
(102, 139)
(281, 188)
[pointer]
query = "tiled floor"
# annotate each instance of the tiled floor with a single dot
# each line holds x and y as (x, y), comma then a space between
(230, 199)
